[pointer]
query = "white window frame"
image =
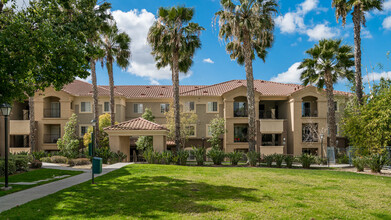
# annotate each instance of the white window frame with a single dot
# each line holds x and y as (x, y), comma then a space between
(138, 108)
(104, 107)
(336, 103)
(83, 125)
(81, 103)
(186, 106)
(165, 107)
(207, 131)
(217, 107)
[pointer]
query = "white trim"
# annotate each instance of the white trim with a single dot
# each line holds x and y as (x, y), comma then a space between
(142, 108)
(195, 130)
(91, 106)
(207, 107)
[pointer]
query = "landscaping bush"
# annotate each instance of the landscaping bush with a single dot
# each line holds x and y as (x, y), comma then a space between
(11, 167)
(21, 162)
(199, 153)
(253, 158)
(216, 155)
(279, 158)
(182, 156)
(104, 153)
(289, 160)
(79, 162)
(235, 157)
(342, 158)
(268, 159)
(36, 164)
(39, 154)
(158, 158)
(306, 160)
(319, 161)
(117, 157)
(359, 163)
(167, 157)
(59, 159)
(376, 162)
(46, 159)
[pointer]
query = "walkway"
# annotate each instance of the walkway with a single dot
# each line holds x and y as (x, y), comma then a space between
(18, 198)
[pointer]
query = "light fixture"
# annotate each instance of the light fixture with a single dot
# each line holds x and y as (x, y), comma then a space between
(93, 122)
(6, 109)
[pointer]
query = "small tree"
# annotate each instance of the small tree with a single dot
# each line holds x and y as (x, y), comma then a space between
(104, 121)
(187, 119)
(69, 143)
(217, 128)
(146, 142)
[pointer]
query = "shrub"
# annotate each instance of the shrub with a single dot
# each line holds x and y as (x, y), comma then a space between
(319, 160)
(376, 162)
(279, 158)
(158, 158)
(36, 164)
(69, 143)
(79, 162)
(306, 160)
(117, 157)
(182, 156)
(46, 159)
(104, 153)
(269, 160)
(167, 157)
(235, 157)
(149, 156)
(175, 159)
(289, 160)
(11, 167)
(253, 158)
(342, 158)
(59, 159)
(216, 155)
(39, 154)
(21, 162)
(199, 153)
(359, 163)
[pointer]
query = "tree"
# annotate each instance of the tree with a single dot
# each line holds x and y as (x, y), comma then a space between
(217, 128)
(69, 143)
(104, 121)
(174, 40)
(328, 62)
(116, 47)
(359, 7)
(187, 119)
(146, 142)
(248, 29)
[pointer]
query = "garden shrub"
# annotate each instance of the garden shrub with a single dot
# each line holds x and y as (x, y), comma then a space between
(158, 158)
(11, 167)
(167, 157)
(320, 160)
(235, 157)
(183, 155)
(199, 153)
(149, 156)
(21, 162)
(36, 164)
(279, 158)
(253, 158)
(359, 163)
(268, 159)
(376, 162)
(59, 159)
(306, 160)
(117, 157)
(69, 143)
(289, 160)
(216, 155)
(39, 154)
(104, 153)
(46, 159)
(342, 158)
(79, 162)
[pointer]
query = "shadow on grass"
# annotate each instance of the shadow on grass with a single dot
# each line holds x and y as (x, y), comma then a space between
(119, 194)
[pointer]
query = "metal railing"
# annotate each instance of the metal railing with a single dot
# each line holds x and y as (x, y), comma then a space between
(51, 113)
(51, 138)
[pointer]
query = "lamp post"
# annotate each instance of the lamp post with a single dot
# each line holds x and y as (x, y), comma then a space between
(93, 122)
(321, 145)
(203, 142)
(6, 111)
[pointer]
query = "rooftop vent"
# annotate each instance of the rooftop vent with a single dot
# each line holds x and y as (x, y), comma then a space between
(142, 94)
(148, 87)
(163, 87)
(161, 94)
(205, 91)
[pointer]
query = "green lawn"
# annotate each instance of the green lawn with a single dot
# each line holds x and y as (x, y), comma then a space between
(31, 176)
(180, 192)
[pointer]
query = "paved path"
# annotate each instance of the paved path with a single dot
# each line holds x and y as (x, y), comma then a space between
(18, 198)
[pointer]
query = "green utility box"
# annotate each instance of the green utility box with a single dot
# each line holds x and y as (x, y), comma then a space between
(97, 165)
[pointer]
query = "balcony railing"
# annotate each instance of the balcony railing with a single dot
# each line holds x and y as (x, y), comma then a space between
(51, 138)
(52, 113)
(309, 113)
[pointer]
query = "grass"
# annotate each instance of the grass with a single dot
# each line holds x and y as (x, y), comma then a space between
(34, 175)
(182, 192)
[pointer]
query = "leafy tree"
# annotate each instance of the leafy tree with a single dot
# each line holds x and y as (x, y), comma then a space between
(69, 143)
(146, 142)
(248, 29)
(359, 7)
(104, 121)
(174, 40)
(328, 62)
(217, 128)
(116, 47)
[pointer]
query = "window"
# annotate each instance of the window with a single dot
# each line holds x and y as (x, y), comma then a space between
(240, 109)
(212, 106)
(106, 106)
(262, 111)
(312, 151)
(336, 106)
(208, 131)
(189, 106)
(55, 109)
(164, 108)
(310, 132)
(138, 108)
(271, 139)
(85, 107)
(240, 133)
(83, 130)
(191, 130)
(306, 109)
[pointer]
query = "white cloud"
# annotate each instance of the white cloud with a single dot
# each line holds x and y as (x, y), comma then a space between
(322, 31)
(88, 79)
(387, 23)
(136, 24)
(377, 76)
(308, 5)
(290, 76)
(387, 6)
(208, 60)
(366, 34)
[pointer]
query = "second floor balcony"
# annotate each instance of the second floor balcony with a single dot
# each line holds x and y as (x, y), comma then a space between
(52, 107)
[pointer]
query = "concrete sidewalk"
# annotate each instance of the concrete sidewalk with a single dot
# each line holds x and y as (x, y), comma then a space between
(18, 198)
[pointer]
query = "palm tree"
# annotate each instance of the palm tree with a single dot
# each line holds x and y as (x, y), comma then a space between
(248, 29)
(117, 48)
(329, 61)
(359, 7)
(174, 40)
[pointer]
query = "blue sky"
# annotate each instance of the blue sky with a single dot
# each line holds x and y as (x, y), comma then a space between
(299, 25)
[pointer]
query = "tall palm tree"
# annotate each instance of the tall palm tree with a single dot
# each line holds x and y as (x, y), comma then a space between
(359, 7)
(174, 40)
(329, 61)
(116, 46)
(248, 28)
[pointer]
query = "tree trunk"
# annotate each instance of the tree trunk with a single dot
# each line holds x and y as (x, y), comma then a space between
(33, 128)
(331, 110)
(250, 94)
(175, 88)
(95, 97)
(357, 51)
(111, 82)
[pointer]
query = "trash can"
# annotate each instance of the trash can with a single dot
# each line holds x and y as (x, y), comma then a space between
(97, 165)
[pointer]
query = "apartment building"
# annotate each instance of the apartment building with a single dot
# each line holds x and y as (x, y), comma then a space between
(289, 117)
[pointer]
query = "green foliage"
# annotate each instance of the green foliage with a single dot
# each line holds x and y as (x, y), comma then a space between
(59, 159)
(158, 158)
(342, 158)
(376, 162)
(289, 160)
(146, 142)
(69, 143)
(269, 159)
(321, 161)
(117, 157)
(79, 162)
(21, 163)
(104, 153)
(39, 154)
(186, 120)
(217, 128)
(253, 158)
(46, 159)
(11, 167)
(199, 153)
(182, 155)
(279, 158)
(104, 121)
(36, 164)
(149, 156)
(306, 160)
(235, 157)
(216, 155)
(359, 163)
(167, 157)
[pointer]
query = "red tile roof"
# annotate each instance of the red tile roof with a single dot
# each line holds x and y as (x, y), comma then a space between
(81, 88)
(136, 124)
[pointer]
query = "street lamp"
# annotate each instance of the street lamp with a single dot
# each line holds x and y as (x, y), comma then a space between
(93, 122)
(321, 144)
(6, 111)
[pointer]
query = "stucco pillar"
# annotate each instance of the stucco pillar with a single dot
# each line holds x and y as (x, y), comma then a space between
(114, 143)
(124, 146)
(159, 143)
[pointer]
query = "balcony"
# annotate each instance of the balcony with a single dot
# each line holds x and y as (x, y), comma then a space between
(268, 150)
(51, 138)
(19, 127)
(51, 113)
(272, 126)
